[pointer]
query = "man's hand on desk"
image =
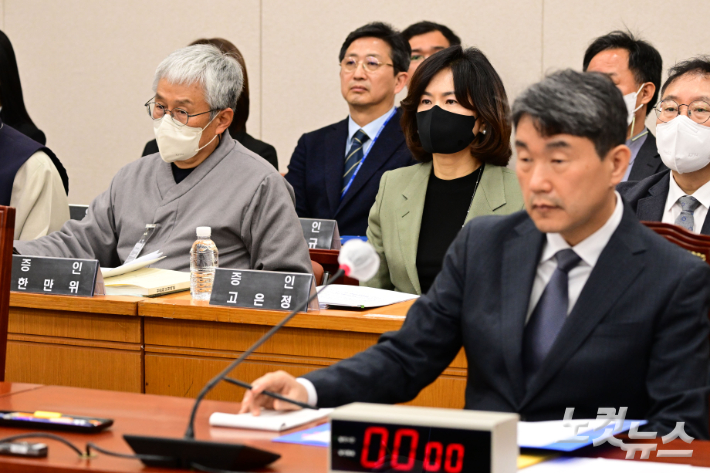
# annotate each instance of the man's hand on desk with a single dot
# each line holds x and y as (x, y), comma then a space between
(278, 382)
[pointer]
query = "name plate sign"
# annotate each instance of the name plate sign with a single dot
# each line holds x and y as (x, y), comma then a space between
(321, 234)
(45, 275)
(253, 289)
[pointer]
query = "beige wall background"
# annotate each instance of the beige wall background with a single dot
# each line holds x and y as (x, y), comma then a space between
(87, 65)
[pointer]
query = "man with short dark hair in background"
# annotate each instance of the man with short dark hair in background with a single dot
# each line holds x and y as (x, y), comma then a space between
(680, 196)
(425, 38)
(635, 67)
(572, 303)
(335, 171)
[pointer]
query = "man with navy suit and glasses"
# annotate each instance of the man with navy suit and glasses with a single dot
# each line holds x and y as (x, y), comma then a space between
(335, 171)
(573, 303)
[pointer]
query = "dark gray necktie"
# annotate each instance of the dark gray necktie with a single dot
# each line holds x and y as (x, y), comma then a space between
(688, 204)
(354, 156)
(549, 314)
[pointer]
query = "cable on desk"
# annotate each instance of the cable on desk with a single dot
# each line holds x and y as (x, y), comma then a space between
(46, 436)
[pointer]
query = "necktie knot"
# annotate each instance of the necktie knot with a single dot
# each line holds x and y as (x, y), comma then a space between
(688, 203)
(567, 259)
(360, 136)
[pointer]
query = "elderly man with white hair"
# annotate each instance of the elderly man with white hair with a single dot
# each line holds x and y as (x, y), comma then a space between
(200, 177)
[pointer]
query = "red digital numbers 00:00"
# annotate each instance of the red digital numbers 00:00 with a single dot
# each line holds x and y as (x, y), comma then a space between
(434, 454)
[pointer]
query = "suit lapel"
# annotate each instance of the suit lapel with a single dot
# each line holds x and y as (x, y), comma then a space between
(618, 266)
(389, 140)
(647, 160)
(334, 161)
(521, 255)
(706, 226)
(651, 208)
(490, 194)
(409, 221)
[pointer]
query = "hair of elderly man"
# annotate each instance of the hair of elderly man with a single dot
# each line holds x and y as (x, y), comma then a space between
(584, 104)
(219, 74)
(699, 65)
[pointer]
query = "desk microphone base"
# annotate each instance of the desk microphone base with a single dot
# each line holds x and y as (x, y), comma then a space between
(182, 453)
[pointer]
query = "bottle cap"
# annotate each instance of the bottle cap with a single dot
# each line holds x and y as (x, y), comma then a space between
(204, 232)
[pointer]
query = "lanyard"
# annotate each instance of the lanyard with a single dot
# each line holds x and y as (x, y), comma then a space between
(362, 161)
(149, 229)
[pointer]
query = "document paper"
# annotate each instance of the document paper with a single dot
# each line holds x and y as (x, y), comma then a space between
(360, 296)
(268, 420)
(138, 263)
(553, 435)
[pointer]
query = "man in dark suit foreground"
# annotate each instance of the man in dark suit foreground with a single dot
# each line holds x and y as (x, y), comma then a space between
(552, 306)
(680, 196)
(335, 171)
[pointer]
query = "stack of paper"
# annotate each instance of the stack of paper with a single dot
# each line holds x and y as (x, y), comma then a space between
(147, 282)
(138, 263)
(268, 420)
(360, 296)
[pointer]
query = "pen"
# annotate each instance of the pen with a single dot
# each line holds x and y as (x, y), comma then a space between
(271, 394)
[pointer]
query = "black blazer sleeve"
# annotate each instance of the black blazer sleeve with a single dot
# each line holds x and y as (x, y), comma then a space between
(404, 362)
(678, 378)
(296, 176)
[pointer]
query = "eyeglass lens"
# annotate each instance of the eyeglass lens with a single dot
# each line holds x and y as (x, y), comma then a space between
(697, 111)
(157, 111)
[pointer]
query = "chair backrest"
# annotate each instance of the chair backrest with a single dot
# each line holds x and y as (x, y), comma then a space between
(77, 212)
(317, 272)
(7, 232)
(699, 245)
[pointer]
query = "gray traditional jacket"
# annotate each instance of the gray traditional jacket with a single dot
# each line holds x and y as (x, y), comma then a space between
(248, 204)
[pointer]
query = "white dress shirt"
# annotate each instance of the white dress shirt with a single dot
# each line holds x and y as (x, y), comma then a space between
(371, 130)
(672, 209)
(588, 249)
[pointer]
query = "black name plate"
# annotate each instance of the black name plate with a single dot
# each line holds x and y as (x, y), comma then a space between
(321, 234)
(45, 275)
(261, 289)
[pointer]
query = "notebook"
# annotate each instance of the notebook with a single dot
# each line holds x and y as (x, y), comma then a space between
(147, 282)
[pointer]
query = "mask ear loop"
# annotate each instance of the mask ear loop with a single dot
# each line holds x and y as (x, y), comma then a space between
(210, 141)
(633, 120)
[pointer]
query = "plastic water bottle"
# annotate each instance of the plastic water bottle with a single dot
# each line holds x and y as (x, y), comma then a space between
(203, 261)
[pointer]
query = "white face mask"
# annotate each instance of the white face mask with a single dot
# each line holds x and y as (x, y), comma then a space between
(630, 100)
(175, 142)
(684, 145)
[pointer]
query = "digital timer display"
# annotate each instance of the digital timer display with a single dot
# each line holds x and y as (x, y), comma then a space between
(379, 447)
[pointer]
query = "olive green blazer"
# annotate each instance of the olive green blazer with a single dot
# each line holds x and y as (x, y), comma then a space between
(396, 217)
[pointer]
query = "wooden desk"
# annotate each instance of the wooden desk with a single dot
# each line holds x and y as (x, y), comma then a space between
(92, 342)
(173, 346)
(196, 341)
(144, 414)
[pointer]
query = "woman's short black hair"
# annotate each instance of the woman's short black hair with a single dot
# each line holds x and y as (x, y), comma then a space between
(424, 27)
(400, 51)
(478, 88)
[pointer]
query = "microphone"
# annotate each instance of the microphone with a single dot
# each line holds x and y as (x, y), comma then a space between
(357, 259)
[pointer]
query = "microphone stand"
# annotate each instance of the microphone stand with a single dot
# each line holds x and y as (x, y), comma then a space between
(183, 452)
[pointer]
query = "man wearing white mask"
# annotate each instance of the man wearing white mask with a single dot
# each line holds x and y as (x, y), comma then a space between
(635, 67)
(200, 177)
(680, 196)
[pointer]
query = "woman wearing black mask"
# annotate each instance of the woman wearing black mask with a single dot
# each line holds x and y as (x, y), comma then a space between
(456, 124)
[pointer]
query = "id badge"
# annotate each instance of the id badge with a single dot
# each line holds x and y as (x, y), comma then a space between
(149, 230)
